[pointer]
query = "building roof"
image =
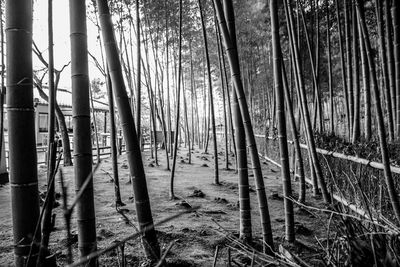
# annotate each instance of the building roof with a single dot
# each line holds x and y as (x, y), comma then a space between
(64, 99)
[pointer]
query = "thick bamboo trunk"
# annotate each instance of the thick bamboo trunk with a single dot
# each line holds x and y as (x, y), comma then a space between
(142, 202)
(86, 217)
(21, 130)
(2, 91)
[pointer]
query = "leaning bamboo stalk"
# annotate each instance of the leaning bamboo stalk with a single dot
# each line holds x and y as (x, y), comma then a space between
(229, 37)
(142, 202)
(283, 149)
(315, 166)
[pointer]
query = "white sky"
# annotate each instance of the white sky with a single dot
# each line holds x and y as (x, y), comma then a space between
(61, 31)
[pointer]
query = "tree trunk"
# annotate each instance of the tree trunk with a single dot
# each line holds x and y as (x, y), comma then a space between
(142, 203)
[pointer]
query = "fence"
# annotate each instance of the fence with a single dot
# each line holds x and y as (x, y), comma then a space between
(356, 182)
(104, 150)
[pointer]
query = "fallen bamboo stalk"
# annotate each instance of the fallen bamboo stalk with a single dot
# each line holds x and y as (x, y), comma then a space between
(98, 253)
(162, 259)
(366, 162)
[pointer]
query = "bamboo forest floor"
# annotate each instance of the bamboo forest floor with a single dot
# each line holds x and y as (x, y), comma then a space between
(196, 233)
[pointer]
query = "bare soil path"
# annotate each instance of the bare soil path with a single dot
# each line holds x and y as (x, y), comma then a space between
(195, 233)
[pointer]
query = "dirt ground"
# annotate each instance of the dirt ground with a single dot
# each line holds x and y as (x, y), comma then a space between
(196, 233)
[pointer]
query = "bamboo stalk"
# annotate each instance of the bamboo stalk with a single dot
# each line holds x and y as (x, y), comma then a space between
(21, 130)
(229, 37)
(279, 93)
(136, 168)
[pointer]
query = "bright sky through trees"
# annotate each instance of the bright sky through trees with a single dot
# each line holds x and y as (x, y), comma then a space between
(62, 52)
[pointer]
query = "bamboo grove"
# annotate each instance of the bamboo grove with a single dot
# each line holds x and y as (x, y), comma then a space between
(211, 75)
